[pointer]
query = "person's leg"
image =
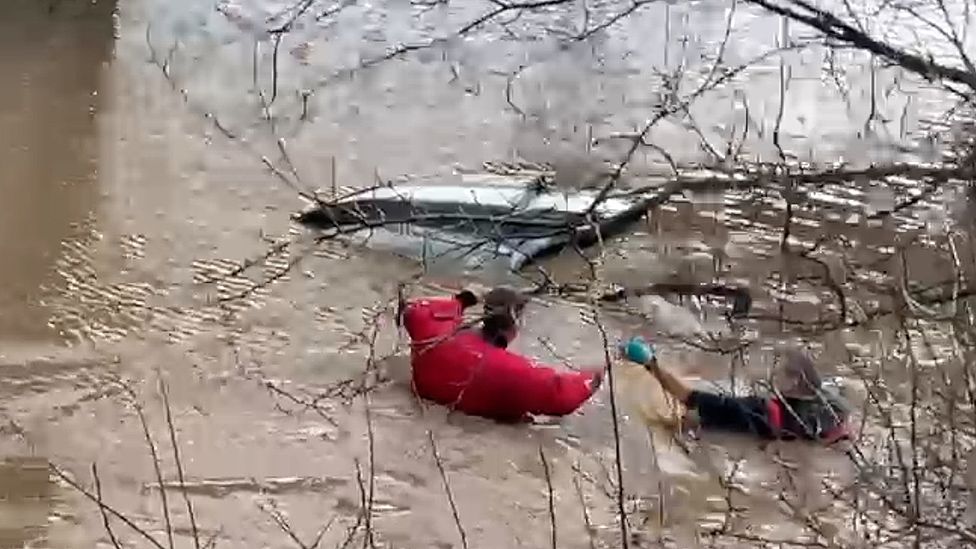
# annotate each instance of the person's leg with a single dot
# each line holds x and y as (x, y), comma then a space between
(728, 413)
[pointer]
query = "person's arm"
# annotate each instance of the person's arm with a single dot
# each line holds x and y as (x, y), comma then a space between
(740, 414)
(641, 352)
(542, 390)
(425, 317)
(715, 411)
(671, 383)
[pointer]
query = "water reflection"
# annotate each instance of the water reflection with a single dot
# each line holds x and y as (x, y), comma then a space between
(51, 55)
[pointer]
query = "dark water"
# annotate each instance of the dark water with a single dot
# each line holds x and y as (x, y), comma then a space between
(53, 59)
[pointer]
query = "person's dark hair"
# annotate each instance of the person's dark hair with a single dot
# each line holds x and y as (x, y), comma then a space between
(800, 367)
(504, 300)
(495, 327)
(467, 298)
(502, 306)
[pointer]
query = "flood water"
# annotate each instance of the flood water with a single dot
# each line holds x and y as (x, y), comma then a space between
(124, 208)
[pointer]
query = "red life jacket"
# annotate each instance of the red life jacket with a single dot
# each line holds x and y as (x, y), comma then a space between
(457, 367)
(817, 421)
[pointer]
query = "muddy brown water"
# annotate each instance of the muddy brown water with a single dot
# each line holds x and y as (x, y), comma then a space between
(119, 202)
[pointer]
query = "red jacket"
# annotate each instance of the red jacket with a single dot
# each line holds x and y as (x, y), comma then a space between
(455, 366)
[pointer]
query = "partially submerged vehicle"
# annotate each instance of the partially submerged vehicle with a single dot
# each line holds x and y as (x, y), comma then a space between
(495, 224)
(485, 221)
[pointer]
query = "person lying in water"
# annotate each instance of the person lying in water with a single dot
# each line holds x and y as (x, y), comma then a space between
(798, 408)
(470, 369)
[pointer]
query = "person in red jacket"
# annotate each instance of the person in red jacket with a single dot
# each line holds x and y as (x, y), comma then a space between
(469, 368)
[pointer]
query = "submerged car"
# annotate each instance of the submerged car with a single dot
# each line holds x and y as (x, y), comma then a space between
(496, 224)
(485, 221)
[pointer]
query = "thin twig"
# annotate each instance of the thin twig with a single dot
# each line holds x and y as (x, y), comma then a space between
(103, 506)
(351, 534)
(153, 452)
(614, 414)
(552, 502)
(582, 499)
(105, 520)
(447, 488)
(179, 463)
(369, 539)
(282, 523)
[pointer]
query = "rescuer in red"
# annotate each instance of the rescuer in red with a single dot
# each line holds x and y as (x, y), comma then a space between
(468, 367)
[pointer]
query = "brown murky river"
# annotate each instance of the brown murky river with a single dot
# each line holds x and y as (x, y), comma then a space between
(119, 202)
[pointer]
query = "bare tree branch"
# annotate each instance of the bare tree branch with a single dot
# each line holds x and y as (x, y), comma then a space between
(836, 29)
(178, 462)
